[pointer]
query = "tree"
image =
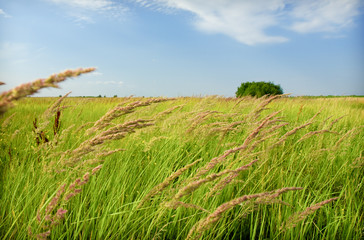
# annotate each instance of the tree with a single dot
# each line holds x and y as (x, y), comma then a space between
(258, 89)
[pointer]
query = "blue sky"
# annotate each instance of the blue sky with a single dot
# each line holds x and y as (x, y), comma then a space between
(184, 47)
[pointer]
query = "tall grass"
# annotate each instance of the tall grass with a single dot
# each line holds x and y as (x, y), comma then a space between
(209, 168)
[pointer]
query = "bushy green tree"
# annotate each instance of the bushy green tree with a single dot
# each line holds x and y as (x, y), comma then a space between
(258, 89)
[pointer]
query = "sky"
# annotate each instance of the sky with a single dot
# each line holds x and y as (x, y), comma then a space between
(175, 48)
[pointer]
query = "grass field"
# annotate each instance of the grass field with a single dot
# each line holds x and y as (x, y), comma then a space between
(196, 168)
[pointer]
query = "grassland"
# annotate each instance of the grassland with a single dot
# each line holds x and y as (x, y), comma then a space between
(208, 168)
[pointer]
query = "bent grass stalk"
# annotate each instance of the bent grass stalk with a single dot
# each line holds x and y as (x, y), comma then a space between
(206, 223)
(300, 216)
(7, 98)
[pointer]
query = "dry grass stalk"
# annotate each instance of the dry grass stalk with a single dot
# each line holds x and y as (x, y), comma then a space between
(230, 178)
(230, 127)
(160, 187)
(245, 145)
(262, 106)
(274, 128)
(118, 111)
(346, 135)
(238, 102)
(105, 154)
(309, 134)
(293, 131)
(205, 224)
(176, 204)
(260, 140)
(6, 98)
(326, 119)
(54, 213)
(192, 186)
(335, 121)
(148, 145)
(7, 120)
(54, 107)
(169, 111)
(114, 133)
(199, 118)
(300, 216)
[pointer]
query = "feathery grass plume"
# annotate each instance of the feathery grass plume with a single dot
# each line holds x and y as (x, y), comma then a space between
(260, 140)
(239, 100)
(231, 176)
(192, 186)
(353, 131)
(6, 98)
(266, 133)
(245, 145)
(309, 134)
(160, 187)
(294, 130)
(108, 153)
(326, 119)
(7, 120)
(206, 223)
(54, 213)
(300, 216)
(199, 118)
(118, 111)
(149, 144)
(335, 121)
(262, 106)
(54, 108)
(225, 128)
(169, 111)
(114, 133)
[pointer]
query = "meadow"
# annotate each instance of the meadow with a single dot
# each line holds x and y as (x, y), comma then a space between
(183, 168)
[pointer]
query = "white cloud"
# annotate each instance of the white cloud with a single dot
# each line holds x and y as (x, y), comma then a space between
(247, 21)
(94, 5)
(4, 14)
(82, 10)
(324, 15)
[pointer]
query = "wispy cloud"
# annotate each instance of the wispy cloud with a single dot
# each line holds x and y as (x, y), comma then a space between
(82, 10)
(94, 5)
(4, 14)
(324, 15)
(248, 21)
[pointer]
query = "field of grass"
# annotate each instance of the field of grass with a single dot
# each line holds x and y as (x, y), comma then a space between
(195, 168)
